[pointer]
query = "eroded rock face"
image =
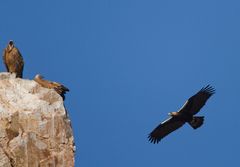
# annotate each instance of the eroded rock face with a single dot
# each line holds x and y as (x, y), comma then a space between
(34, 128)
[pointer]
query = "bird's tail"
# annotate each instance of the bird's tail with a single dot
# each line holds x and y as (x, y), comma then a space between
(196, 122)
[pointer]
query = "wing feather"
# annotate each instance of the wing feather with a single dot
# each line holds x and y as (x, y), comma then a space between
(59, 88)
(165, 128)
(19, 63)
(197, 101)
(4, 59)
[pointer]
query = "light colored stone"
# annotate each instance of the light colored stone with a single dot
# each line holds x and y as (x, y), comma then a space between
(34, 128)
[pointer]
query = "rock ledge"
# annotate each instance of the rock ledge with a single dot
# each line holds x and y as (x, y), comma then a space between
(34, 128)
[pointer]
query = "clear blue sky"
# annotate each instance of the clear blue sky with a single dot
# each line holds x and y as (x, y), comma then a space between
(130, 62)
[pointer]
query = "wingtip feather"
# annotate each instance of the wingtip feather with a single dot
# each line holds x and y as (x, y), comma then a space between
(153, 140)
(209, 89)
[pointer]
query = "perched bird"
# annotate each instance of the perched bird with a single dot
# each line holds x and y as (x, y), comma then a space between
(186, 114)
(13, 60)
(59, 88)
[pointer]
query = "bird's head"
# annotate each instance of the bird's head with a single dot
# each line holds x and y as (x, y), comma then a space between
(10, 45)
(38, 76)
(173, 114)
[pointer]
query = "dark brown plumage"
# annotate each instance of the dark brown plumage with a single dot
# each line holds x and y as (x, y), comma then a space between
(186, 114)
(59, 88)
(13, 60)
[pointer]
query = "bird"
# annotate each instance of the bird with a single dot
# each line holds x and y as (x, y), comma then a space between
(13, 59)
(184, 115)
(59, 88)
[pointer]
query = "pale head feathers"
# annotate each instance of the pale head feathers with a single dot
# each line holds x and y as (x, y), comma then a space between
(39, 76)
(10, 45)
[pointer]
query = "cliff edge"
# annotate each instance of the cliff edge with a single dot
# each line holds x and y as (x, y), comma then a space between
(35, 130)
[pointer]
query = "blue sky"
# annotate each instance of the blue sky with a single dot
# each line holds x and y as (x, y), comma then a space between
(127, 64)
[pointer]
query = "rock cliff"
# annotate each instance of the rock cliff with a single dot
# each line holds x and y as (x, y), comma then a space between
(35, 130)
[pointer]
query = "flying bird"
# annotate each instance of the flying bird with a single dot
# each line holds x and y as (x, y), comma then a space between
(13, 59)
(185, 114)
(59, 88)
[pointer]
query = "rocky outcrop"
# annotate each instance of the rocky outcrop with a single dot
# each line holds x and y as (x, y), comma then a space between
(35, 130)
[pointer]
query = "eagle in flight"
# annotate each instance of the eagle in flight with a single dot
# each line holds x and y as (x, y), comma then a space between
(185, 114)
(13, 60)
(59, 88)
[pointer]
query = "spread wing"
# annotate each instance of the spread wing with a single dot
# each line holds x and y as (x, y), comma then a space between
(165, 128)
(197, 101)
